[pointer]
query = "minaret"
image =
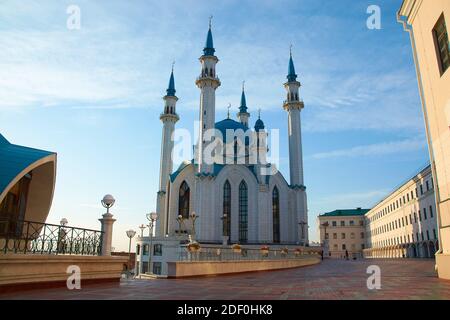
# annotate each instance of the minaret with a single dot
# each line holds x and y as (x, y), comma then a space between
(293, 105)
(243, 115)
(169, 117)
(208, 82)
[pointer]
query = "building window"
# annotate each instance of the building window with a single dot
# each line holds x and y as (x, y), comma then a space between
(420, 216)
(421, 189)
(145, 250)
(352, 235)
(243, 212)
(138, 249)
(334, 224)
(415, 217)
(342, 235)
(144, 267)
(428, 235)
(183, 200)
(276, 215)
(361, 222)
(362, 247)
(442, 44)
(157, 267)
(157, 249)
(342, 223)
(425, 213)
(335, 246)
(326, 235)
(334, 235)
(226, 209)
(344, 247)
(431, 212)
(434, 234)
(352, 223)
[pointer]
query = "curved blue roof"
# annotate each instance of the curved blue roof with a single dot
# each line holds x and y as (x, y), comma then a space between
(229, 124)
(14, 159)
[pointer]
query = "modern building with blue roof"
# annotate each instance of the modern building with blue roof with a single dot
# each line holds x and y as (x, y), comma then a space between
(27, 182)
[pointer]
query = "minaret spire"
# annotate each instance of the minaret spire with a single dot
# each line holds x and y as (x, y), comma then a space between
(291, 71)
(243, 115)
(169, 117)
(243, 106)
(171, 89)
(209, 46)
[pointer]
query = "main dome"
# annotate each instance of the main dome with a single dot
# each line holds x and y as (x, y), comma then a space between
(229, 124)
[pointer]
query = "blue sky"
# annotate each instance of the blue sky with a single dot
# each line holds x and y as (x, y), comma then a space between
(94, 95)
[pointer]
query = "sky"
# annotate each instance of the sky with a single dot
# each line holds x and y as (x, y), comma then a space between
(93, 94)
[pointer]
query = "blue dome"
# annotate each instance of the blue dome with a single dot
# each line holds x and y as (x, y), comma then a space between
(259, 125)
(229, 124)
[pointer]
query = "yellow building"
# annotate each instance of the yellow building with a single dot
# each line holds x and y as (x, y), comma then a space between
(403, 225)
(343, 230)
(427, 23)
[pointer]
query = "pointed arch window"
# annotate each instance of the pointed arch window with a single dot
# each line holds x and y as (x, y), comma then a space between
(183, 200)
(226, 218)
(276, 215)
(243, 212)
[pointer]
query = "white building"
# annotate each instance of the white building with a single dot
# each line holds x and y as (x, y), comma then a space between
(404, 223)
(236, 198)
(232, 196)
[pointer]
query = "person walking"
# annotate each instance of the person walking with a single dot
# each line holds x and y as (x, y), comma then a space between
(346, 254)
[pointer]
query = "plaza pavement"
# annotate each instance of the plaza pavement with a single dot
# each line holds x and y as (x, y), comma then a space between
(333, 279)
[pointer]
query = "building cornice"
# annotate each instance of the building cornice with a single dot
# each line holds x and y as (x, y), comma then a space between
(409, 9)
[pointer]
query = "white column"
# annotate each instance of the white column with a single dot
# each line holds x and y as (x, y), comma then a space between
(295, 147)
(107, 228)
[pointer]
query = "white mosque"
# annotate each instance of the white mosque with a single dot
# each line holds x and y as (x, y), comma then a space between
(237, 200)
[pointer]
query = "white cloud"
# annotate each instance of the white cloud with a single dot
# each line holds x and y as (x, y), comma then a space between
(377, 149)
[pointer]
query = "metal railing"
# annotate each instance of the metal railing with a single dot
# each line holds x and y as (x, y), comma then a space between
(229, 254)
(28, 237)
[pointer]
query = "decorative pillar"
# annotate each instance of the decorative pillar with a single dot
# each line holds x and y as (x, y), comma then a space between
(107, 228)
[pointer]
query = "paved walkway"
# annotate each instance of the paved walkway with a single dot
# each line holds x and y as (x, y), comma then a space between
(333, 279)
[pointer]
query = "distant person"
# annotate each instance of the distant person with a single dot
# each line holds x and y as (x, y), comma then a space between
(321, 254)
(346, 255)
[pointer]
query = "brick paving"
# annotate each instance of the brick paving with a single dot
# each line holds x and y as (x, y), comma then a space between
(333, 279)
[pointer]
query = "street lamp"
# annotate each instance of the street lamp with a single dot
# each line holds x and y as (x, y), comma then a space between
(180, 222)
(302, 226)
(107, 202)
(151, 217)
(194, 217)
(130, 234)
(142, 227)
